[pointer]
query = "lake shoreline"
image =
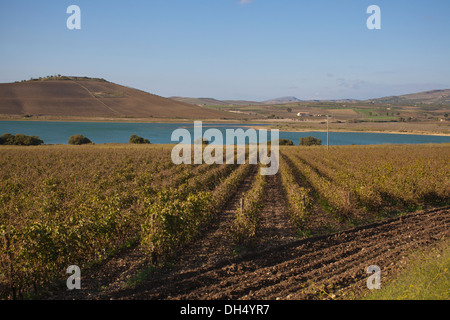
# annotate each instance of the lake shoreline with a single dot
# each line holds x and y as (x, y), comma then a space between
(210, 122)
(416, 133)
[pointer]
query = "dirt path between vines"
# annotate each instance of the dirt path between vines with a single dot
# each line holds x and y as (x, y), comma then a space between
(323, 267)
(275, 228)
(278, 267)
(320, 222)
(113, 276)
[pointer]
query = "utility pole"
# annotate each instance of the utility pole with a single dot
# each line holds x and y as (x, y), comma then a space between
(328, 133)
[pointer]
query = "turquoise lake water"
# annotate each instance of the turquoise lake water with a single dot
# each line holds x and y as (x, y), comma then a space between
(160, 133)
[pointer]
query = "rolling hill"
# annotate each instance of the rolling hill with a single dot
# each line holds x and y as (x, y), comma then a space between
(441, 97)
(282, 100)
(200, 101)
(89, 97)
(435, 97)
(215, 102)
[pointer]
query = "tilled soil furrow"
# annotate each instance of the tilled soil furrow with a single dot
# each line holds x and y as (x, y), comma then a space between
(350, 264)
(336, 274)
(312, 268)
(332, 244)
(360, 239)
(276, 227)
(356, 272)
(351, 258)
(345, 258)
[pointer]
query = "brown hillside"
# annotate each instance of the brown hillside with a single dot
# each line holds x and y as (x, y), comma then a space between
(439, 97)
(83, 97)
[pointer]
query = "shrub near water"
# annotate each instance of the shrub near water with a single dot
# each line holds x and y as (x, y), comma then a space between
(285, 142)
(79, 140)
(138, 140)
(20, 140)
(310, 141)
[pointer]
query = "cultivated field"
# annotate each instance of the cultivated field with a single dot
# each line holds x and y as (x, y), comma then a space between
(139, 226)
(74, 98)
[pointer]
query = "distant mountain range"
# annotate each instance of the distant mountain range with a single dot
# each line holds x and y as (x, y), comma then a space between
(215, 102)
(282, 100)
(441, 97)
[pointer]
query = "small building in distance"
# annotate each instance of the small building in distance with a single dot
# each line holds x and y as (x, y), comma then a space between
(304, 114)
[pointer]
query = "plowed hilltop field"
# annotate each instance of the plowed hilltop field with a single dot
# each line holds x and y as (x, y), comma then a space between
(140, 227)
(87, 98)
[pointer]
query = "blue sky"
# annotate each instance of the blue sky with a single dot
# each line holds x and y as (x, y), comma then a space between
(233, 49)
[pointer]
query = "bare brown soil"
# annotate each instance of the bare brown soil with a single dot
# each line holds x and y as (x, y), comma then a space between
(279, 265)
(95, 98)
(275, 228)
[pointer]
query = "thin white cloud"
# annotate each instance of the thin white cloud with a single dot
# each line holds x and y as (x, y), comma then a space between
(350, 84)
(245, 1)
